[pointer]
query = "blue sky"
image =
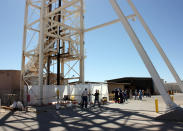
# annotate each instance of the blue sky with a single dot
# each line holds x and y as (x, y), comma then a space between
(110, 53)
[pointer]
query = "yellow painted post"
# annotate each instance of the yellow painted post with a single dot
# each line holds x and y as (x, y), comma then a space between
(156, 105)
(172, 98)
(0, 104)
(58, 93)
(72, 98)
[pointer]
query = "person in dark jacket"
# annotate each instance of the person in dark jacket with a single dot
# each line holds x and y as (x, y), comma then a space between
(116, 95)
(121, 96)
(84, 98)
(136, 94)
(96, 98)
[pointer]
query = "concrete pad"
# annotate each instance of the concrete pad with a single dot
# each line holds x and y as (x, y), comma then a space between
(175, 115)
(133, 115)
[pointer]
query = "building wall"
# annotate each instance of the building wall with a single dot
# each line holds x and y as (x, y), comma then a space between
(112, 86)
(9, 83)
(172, 87)
(136, 83)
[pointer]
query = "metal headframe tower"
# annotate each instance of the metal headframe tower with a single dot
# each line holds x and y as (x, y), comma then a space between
(53, 43)
(54, 38)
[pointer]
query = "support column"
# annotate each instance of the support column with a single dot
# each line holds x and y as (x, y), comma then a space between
(156, 78)
(48, 70)
(156, 43)
(49, 57)
(58, 48)
(63, 51)
(81, 43)
(23, 51)
(62, 63)
(41, 47)
(58, 63)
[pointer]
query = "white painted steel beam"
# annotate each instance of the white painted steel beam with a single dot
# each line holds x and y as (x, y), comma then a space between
(41, 48)
(156, 78)
(64, 25)
(59, 37)
(48, 46)
(35, 6)
(36, 30)
(34, 2)
(108, 23)
(71, 68)
(62, 7)
(53, 1)
(30, 51)
(102, 25)
(71, 13)
(23, 50)
(28, 54)
(32, 23)
(156, 43)
(82, 43)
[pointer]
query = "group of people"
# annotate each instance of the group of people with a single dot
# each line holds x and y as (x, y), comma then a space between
(120, 96)
(141, 93)
(86, 96)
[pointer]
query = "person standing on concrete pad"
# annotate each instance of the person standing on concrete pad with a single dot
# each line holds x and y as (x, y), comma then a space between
(136, 94)
(116, 95)
(85, 98)
(89, 97)
(140, 95)
(125, 95)
(121, 96)
(96, 98)
(130, 94)
(143, 93)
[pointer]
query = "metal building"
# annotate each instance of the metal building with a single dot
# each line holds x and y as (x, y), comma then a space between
(132, 83)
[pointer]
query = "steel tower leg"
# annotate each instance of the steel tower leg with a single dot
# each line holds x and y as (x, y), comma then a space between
(41, 47)
(81, 44)
(156, 43)
(156, 78)
(23, 51)
(58, 47)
